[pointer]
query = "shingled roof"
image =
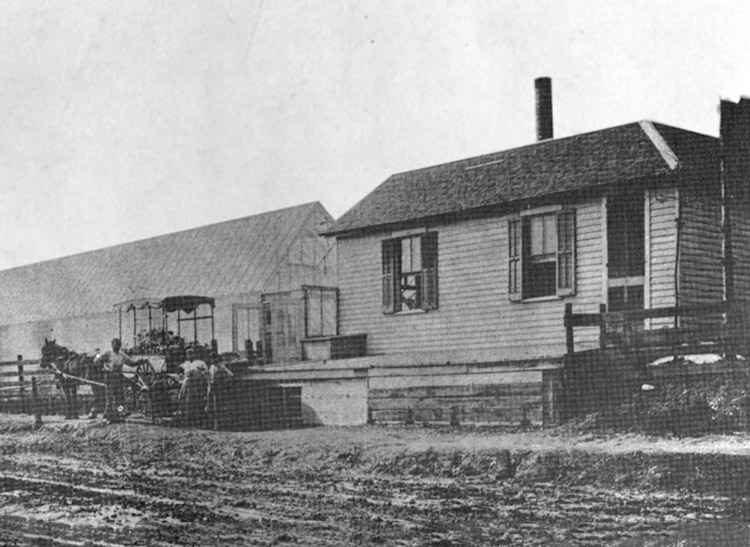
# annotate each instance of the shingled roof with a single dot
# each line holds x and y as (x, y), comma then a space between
(635, 151)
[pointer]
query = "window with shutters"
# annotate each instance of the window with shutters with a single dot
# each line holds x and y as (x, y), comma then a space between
(410, 273)
(541, 255)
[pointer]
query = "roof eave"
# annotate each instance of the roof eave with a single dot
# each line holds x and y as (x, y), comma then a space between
(495, 209)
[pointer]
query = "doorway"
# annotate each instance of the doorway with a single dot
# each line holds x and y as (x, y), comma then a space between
(626, 251)
(245, 327)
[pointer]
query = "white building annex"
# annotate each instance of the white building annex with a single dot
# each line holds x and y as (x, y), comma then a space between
(71, 299)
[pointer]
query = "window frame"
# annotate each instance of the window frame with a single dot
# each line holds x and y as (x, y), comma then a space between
(425, 278)
(520, 260)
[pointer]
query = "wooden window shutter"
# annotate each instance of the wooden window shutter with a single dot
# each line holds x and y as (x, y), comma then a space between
(566, 253)
(429, 271)
(515, 263)
(388, 255)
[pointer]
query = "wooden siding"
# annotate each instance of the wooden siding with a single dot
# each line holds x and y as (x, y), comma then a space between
(701, 276)
(741, 249)
(661, 254)
(474, 309)
(507, 404)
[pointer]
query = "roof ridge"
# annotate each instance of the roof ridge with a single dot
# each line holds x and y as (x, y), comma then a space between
(660, 143)
(167, 234)
(555, 140)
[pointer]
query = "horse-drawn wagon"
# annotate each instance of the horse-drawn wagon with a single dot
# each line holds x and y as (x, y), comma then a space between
(152, 385)
(72, 369)
(176, 325)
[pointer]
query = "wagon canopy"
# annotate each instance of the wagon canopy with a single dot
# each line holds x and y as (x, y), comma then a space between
(170, 304)
(185, 303)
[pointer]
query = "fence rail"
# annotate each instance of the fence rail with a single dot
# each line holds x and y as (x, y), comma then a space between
(720, 326)
(26, 388)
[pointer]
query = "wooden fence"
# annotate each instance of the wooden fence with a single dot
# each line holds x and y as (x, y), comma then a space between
(597, 380)
(26, 388)
(718, 327)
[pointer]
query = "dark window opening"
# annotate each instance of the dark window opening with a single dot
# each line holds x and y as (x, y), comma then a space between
(541, 255)
(410, 273)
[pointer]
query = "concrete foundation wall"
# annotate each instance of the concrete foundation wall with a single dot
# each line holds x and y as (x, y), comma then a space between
(335, 402)
(407, 389)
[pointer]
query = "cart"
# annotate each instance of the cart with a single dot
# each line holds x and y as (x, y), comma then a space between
(152, 386)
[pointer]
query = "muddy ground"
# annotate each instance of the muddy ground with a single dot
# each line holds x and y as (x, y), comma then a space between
(88, 484)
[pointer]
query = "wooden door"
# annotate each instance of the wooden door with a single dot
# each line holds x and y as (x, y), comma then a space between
(283, 327)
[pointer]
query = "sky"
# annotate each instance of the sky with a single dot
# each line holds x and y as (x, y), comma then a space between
(121, 121)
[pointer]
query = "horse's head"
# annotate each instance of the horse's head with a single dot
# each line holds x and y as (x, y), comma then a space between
(51, 351)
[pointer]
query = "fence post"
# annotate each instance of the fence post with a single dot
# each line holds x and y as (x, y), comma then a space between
(730, 346)
(569, 343)
(22, 390)
(37, 406)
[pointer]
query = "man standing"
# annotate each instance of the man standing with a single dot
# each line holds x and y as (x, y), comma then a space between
(95, 373)
(217, 394)
(193, 390)
(113, 362)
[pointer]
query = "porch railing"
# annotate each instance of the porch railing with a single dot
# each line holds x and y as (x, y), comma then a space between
(719, 327)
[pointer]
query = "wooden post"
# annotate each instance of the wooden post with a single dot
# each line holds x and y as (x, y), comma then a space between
(22, 390)
(730, 341)
(286, 421)
(569, 342)
(602, 326)
(213, 330)
(37, 406)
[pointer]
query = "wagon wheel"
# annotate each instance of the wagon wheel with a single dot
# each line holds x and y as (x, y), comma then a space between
(145, 371)
(160, 400)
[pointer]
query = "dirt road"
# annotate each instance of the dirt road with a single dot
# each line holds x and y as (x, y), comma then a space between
(85, 483)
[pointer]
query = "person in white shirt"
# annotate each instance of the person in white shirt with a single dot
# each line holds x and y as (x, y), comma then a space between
(193, 389)
(217, 394)
(113, 363)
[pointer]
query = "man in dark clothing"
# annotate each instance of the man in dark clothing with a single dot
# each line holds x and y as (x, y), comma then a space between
(95, 373)
(217, 393)
(113, 363)
(193, 390)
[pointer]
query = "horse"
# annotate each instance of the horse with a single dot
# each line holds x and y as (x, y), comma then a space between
(68, 366)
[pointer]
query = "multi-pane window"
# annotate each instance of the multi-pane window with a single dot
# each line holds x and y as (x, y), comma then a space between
(410, 273)
(541, 255)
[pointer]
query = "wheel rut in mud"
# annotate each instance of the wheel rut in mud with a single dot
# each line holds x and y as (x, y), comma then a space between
(138, 484)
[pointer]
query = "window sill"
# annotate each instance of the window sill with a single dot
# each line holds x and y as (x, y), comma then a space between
(540, 299)
(409, 312)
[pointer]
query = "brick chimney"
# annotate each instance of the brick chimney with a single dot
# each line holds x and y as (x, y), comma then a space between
(543, 108)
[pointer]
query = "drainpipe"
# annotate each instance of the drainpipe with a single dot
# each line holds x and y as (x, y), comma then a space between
(677, 259)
